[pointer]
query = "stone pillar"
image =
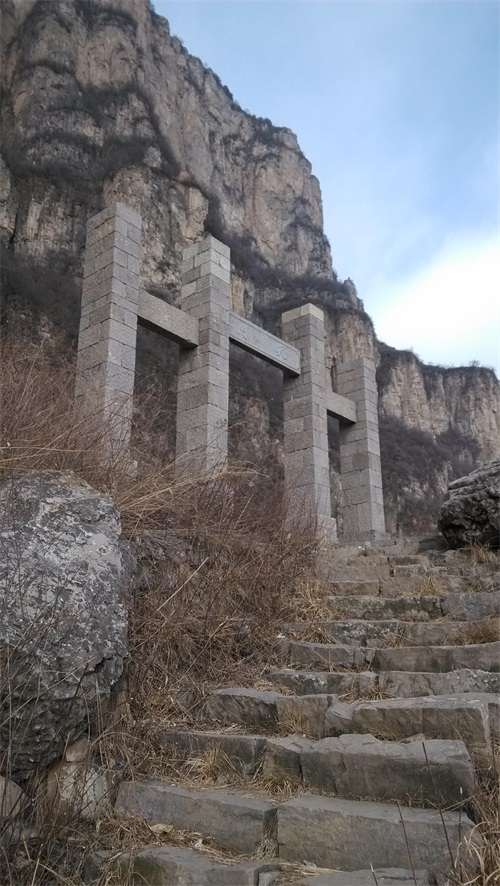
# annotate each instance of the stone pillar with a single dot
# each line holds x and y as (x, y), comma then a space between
(203, 385)
(108, 323)
(307, 475)
(360, 469)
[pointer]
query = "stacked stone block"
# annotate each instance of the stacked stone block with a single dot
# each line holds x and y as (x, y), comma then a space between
(108, 323)
(360, 468)
(111, 304)
(307, 477)
(203, 383)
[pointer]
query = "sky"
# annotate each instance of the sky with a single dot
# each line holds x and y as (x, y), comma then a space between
(396, 105)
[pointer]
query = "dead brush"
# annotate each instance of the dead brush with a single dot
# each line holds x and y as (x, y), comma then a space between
(486, 631)
(357, 693)
(395, 640)
(311, 601)
(211, 766)
(476, 861)
(216, 624)
(427, 587)
(482, 555)
(43, 429)
(280, 788)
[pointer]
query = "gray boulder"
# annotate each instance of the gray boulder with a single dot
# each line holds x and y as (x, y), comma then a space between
(470, 513)
(65, 574)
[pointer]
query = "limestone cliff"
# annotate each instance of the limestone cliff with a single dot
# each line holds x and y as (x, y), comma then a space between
(122, 110)
(435, 399)
(436, 424)
(99, 103)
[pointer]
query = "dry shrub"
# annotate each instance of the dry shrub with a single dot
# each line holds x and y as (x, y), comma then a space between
(41, 428)
(486, 631)
(482, 555)
(313, 601)
(478, 856)
(210, 617)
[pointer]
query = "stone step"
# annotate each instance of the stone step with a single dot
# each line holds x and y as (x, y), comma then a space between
(357, 766)
(405, 684)
(333, 833)
(405, 579)
(472, 717)
(324, 682)
(395, 684)
(468, 606)
(381, 877)
(405, 585)
(348, 766)
(473, 606)
(428, 583)
(377, 633)
(437, 659)
(235, 822)
(469, 717)
(350, 834)
(165, 865)
(250, 708)
(416, 608)
(278, 712)
(356, 588)
(359, 570)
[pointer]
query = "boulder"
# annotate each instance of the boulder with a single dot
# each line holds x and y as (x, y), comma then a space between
(65, 574)
(470, 513)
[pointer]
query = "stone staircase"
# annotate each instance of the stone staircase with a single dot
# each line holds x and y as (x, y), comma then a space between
(360, 764)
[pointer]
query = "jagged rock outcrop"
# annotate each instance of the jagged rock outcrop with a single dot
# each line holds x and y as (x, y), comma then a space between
(470, 513)
(65, 573)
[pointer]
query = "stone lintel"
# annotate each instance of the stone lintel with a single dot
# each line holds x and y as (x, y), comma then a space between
(341, 407)
(176, 324)
(262, 343)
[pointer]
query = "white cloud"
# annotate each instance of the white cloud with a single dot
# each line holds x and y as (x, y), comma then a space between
(449, 311)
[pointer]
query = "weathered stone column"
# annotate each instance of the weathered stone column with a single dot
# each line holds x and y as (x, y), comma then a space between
(108, 323)
(360, 468)
(203, 385)
(307, 477)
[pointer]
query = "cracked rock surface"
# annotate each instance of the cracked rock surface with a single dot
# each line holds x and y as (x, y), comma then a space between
(65, 572)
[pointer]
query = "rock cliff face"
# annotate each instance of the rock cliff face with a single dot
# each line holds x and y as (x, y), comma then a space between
(434, 399)
(122, 111)
(436, 424)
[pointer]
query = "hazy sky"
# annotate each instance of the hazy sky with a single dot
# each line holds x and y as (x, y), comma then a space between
(396, 105)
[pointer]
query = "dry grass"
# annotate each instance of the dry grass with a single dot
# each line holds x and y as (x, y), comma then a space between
(355, 693)
(312, 601)
(206, 769)
(480, 555)
(427, 587)
(196, 627)
(486, 631)
(477, 861)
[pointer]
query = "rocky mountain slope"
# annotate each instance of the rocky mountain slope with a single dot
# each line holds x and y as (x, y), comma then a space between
(122, 111)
